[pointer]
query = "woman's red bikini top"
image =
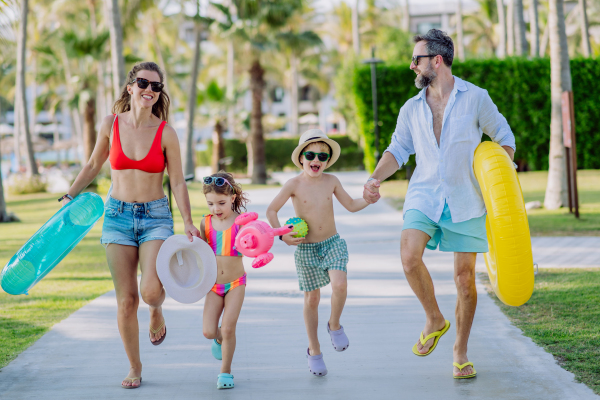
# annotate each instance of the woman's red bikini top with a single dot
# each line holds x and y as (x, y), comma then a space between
(154, 162)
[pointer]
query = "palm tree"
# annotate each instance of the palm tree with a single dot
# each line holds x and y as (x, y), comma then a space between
(405, 17)
(510, 28)
(586, 49)
(460, 48)
(258, 23)
(355, 29)
(556, 190)
(296, 44)
(226, 30)
(216, 99)
(479, 27)
(519, 25)
(199, 23)
(501, 49)
(21, 103)
(116, 45)
(535, 29)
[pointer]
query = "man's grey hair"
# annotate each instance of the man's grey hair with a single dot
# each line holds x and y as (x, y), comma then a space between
(438, 43)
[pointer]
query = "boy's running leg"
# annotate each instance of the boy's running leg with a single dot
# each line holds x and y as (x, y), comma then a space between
(233, 305)
(311, 320)
(339, 286)
(412, 247)
(466, 302)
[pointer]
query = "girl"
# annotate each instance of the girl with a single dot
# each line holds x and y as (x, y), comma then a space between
(137, 220)
(225, 201)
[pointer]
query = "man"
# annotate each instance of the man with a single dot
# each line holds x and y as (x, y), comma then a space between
(442, 125)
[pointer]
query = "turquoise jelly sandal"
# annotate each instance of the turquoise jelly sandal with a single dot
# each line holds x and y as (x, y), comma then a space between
(225, 381)
(216, 350)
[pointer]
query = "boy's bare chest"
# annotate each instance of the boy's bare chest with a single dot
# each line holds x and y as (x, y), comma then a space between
(312, 196)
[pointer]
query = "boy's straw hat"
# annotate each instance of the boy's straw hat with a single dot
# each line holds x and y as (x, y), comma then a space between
(316, 135)
(187, 270)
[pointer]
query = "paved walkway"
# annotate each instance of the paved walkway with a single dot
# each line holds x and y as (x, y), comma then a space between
(82, 357)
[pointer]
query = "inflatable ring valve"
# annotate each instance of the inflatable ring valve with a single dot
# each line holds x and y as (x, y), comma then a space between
(51, 243)
(509, 261)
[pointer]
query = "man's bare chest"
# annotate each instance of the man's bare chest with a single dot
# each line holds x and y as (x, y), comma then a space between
(437, 111)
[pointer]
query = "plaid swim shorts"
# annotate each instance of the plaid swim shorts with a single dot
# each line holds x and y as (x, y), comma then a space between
(314, 260)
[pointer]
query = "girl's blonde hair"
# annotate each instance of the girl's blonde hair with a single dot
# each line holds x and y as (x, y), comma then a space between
(160, 108)
(241, 198)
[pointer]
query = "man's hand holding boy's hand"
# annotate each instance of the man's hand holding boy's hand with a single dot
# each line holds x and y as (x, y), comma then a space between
(371, 191)
(290, 240)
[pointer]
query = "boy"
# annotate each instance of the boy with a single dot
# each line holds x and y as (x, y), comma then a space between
(321, 256)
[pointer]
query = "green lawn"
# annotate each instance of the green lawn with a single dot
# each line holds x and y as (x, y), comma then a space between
(541, 222)
(563, 316)
(82, 276)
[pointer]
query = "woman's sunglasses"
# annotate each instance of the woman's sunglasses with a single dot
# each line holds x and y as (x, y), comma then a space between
(217, 180)
(310, 155)
(143, 84)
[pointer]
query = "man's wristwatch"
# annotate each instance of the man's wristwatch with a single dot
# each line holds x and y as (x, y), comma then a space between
(68, 196)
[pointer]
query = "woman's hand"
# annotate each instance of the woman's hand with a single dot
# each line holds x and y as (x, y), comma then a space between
(190, 231)
(290, 240)
(64, 201)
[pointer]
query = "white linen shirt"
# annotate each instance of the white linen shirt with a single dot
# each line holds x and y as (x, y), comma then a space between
(444, 173)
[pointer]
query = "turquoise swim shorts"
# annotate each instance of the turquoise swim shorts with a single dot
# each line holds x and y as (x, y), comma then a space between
(461, 237)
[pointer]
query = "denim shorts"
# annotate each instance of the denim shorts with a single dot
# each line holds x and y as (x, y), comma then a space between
(460, 237)
(132, 224)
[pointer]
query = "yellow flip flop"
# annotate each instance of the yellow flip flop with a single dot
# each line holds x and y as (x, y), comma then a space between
(132, 380)
(460, 368)
(437, 335)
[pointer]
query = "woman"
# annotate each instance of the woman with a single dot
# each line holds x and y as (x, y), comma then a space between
(137, 217)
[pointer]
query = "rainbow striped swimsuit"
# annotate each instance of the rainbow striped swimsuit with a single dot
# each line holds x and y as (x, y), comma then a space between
(221, 242)
(222, 288)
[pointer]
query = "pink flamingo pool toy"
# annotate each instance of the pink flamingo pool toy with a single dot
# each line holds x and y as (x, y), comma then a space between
(255, 238)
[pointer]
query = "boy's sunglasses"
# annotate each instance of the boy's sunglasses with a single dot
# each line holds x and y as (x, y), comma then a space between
(217, 180)
(310, 155)
(143, 84)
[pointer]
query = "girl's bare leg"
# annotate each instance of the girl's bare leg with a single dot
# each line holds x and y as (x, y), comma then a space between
(123, 261)
(233, 305)
(213, 308)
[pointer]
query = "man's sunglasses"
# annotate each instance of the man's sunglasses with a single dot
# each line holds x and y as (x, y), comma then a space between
(217, 180)
(143, 84)
(310, 155)
(415, 59)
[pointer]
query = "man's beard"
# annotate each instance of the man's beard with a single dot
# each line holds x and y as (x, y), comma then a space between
(425, 78)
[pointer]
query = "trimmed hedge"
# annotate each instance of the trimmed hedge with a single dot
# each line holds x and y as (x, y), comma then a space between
(519, 87)
(279, 152)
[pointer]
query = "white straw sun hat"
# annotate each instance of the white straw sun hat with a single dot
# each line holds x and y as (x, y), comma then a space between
(187, 270)
(316, 135)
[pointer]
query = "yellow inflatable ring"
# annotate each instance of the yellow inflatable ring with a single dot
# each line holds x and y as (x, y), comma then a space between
(509, 261)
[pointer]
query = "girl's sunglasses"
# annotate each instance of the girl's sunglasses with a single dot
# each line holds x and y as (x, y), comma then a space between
(217, 180)
(143, 84)
(310, 155)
